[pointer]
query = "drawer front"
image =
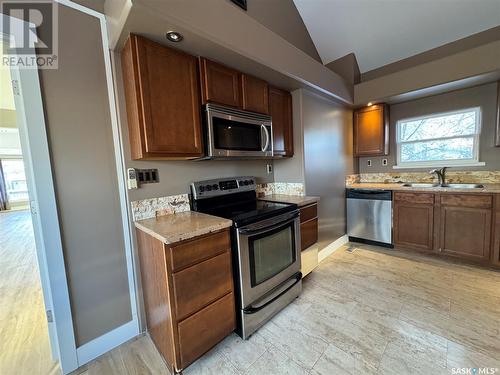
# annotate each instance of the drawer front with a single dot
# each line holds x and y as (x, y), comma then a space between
(308, 212)
(467, 200)
(308, 233)
(197, 286)
(421, 198)
(203, 330)
(192, 252)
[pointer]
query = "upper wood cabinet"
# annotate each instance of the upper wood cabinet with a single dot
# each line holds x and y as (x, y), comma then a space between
(465, 229)
(255, 94)
(223, 85)
(371, 131)
(163, 101)
(413, 220)
(219, 84)
(280, 109)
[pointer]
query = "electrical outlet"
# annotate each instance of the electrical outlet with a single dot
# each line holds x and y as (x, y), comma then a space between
(384, 161)
(269, 168)
(369, 163)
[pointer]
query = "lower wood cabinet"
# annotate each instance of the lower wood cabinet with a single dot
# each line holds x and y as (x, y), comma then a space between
(465, 225)
(188, 294)
(495, 251)
(308, 225)
(413, 220)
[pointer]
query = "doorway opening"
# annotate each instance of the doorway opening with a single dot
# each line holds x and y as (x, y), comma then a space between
(25, 347)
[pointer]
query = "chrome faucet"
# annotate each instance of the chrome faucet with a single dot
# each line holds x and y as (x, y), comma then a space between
(441, 173)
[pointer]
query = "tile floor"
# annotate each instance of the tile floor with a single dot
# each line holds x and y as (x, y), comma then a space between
(372, 311)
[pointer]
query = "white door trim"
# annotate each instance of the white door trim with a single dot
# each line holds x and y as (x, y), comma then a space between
(119, 335)
(32, 132)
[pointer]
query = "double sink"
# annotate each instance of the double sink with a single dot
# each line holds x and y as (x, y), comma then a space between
(452, 186)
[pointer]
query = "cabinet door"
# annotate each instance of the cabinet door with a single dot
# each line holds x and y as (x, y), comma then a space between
(465, 232)
(413, 220)
(371, 131)
(465, 229)
(280, 109)
(163, 102)
(255, 94)
(219, 84)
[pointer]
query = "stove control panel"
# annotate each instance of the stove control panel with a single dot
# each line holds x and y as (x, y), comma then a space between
(222, 186)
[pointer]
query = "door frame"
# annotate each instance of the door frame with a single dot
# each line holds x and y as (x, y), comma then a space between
(52, 267)
(35, 149)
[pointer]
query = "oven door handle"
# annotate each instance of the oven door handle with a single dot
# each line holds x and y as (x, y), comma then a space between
(253, 310)
(265, 229)
(266, 132)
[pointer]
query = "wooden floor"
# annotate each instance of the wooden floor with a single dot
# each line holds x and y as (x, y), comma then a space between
(24, 341)
(372, 311)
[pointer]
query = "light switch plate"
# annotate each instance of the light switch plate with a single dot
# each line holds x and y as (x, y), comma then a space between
(269, 168)
(369, 163)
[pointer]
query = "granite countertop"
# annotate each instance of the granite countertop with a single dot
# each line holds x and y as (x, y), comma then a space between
(182, 226)
(488, 188)
(300, 201)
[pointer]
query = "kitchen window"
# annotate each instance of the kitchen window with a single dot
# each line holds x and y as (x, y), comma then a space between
(442, 139)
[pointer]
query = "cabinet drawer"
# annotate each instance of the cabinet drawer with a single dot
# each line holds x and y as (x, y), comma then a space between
(308, 233)
(201, 331)
(467, 200)
(192, 252)
(197, 286)
(422, 198)
(308, 212)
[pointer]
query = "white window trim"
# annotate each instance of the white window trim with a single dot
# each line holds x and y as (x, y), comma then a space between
(474, 162)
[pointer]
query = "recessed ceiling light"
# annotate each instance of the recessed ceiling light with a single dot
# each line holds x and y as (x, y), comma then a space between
(370, 104)
(174, 36)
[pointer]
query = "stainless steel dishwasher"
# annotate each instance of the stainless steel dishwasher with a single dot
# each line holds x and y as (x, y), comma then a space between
(369, 216)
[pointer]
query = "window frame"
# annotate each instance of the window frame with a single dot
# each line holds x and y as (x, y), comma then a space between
(474, 161)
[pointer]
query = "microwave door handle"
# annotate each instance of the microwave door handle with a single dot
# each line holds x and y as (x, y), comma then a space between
(266, 132)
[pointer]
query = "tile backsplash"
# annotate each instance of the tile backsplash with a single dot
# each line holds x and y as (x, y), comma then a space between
(285, 188)
(468, 177)
(153, 207)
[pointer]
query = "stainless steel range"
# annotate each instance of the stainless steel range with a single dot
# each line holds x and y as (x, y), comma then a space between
(265, 244)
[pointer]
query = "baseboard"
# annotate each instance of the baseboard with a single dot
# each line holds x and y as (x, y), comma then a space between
(107, 342)
(334, 246)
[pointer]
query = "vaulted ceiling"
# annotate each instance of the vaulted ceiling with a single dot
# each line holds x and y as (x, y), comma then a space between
(380, 32)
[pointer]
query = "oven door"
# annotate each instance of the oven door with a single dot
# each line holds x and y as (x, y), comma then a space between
(269, 255)
(234, 133)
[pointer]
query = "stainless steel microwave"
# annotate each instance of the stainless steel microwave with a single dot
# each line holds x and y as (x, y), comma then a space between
(233, 133)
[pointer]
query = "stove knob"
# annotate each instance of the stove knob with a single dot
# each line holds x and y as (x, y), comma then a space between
(252, 182)
(201, 189)
(240, 183)
(215, 187)
(245, 182)
(208, 187)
